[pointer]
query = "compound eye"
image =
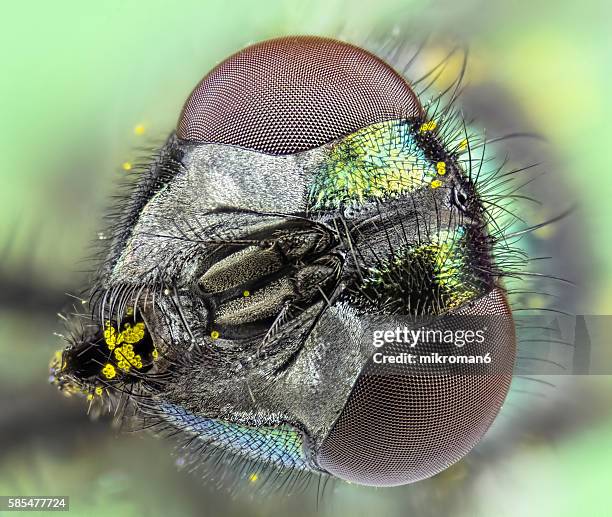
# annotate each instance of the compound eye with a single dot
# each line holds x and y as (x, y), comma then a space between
(292, 94)
(403, 427)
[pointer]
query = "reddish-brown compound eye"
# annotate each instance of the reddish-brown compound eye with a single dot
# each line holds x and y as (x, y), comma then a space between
(403, 427)
(291, 94)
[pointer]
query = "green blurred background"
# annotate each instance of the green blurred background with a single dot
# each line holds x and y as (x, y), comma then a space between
(87, 88)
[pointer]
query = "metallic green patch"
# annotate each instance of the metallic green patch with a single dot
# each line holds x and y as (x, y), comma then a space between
(377, 161)
(280, 445)
(428, 278)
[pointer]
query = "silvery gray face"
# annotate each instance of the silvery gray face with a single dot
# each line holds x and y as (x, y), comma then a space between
(256, 269)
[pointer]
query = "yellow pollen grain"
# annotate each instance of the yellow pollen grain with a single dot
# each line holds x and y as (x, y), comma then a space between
(98, 390)
(428, 126)
(246, 293)
(436, 183)
(441, 168)
(214, 334)
(109, 371)
(139, 129)
(253, 477)
(90, 396)
(127, 166)
(463, 144)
